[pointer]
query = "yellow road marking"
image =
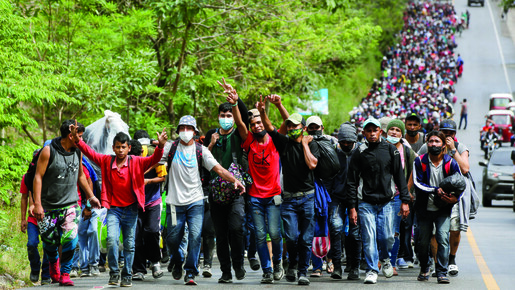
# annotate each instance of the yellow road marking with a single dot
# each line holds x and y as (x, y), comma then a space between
(488, 278)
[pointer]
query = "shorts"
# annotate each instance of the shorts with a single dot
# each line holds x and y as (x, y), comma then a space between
(455, 218)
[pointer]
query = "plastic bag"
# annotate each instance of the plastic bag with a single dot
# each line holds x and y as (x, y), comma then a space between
(328, 162)
(454, 184)
(100, 134)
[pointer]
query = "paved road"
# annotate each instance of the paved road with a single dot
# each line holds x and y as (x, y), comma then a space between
(486, 252)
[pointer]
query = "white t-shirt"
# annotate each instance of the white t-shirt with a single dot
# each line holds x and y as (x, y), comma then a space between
(184, 184)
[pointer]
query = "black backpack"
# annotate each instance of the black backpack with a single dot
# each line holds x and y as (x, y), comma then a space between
(31, 171)
(328, 163)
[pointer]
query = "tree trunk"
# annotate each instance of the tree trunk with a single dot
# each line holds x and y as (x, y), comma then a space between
(44, 122)
(175, 86)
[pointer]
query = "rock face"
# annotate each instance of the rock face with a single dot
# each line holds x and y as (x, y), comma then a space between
(6, 281)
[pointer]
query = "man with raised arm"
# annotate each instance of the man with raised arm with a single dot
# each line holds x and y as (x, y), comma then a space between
(299, 157)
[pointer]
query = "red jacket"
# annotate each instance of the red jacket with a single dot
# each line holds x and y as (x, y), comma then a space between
(137, 168)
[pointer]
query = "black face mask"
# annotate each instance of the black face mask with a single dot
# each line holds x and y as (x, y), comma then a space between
(411, 133)
(346, 149)
(315, 133)
(260, 134)
(434, 150)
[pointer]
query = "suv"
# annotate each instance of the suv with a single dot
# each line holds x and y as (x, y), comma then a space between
(498, 177)
(482, 2)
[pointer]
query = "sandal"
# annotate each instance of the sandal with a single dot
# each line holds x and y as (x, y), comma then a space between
(316, 273)
(443, 280)
(423, 276)
(330, 267)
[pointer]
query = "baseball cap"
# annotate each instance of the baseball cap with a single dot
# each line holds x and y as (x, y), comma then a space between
(314, 120)
(413, 116)
(449, 125)
(372, 121)
(296, 119)
(253, 113)
(187, 120)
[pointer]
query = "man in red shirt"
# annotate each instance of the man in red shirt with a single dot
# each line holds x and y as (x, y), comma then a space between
(265, 192)
(123, 192)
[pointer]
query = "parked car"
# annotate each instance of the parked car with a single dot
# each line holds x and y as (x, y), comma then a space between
(498, 177)
(500, 101)
(480, 2)
(503, 123)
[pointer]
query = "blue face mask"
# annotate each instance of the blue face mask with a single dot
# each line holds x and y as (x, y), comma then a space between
(393, 140)
(226, 123)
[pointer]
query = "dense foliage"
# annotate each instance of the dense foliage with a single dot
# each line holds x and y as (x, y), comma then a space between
(153, 61)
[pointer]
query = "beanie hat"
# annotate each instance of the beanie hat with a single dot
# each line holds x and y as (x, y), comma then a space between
(347, 133)
(396, 123)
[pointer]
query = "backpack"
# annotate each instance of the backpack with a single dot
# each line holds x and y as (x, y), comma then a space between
(328, 163)
(171, 155)
(31, 171)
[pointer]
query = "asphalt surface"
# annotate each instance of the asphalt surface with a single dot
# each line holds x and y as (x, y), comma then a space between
(486, 254)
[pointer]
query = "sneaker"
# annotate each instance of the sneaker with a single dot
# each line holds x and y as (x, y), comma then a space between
(254, 264)
(337, 273)
(395, 272)
(121, 264)
(55, 272)
(453, 270)
(371, 278)
(268, 278)
(316, 273)
(126, 282)
(443, 280)
(291, 275)
(113, 279)
(177, 272)
(85, 273)
(101, 268)
(189, 279)
(138, 276)
(401, 264)
(387, 268)
(94, 271)
(46, 281)
(347, 268)
(411, 265)
(74, 273)
(165, 259)
(353, 274)
(34, 276)
(206, 271)
(240, 273)
(65, 280)
(156, 271)
(170, 267)
(278, 271)
(303, 280)
(226, 278)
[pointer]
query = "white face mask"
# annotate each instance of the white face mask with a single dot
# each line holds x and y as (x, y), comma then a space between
(186, 136)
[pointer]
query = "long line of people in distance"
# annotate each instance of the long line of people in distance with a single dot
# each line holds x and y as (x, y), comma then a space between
(250, 174)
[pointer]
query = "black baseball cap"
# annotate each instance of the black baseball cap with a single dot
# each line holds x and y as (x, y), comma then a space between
(413, 116)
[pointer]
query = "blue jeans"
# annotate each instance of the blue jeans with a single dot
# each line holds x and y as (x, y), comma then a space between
(336, 220)
(88, 241)
(193, 216)
(396, 229)
(33, 253)
(442, 222)
(317, 262)
(298, 215)
(124, 218)
(377, 232)
(263, 210)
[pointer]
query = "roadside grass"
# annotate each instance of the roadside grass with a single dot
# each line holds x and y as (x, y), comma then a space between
(13, 246)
